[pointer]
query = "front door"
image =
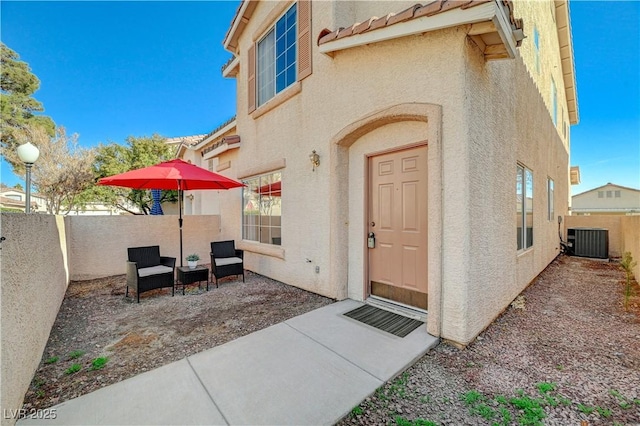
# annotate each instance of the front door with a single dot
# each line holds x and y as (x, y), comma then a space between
(398, 220)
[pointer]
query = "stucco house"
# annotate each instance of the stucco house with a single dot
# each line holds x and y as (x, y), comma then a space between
(13, 198)
(607, 199)
(398, 153)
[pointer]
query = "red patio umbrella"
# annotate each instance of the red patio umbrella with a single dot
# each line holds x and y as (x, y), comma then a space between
(174, 174)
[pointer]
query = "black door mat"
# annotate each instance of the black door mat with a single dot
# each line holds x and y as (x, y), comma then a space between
(384, 320)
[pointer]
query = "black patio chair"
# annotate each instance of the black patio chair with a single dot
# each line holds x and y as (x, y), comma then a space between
(226, 260)
(147, 270)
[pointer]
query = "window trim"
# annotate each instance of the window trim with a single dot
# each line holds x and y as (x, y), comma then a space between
(526, 244)
(244, 201)
(272, 28)
(304, 52)
(550, 199)
(554, 102)
(536, 48)
(277, 100)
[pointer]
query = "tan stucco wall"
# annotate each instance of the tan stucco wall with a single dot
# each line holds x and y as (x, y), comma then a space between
(492, 116)
(34, 279)
(42, 253)
(624, 233)
(346, 13)
(612, 223)
(630, 230)
(315, 216)
(107, 238)
(541, 15)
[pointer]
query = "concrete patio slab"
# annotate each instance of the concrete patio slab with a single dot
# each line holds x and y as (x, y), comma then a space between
(311, 369)
(171, 394)
(381, 354)
(280, 376)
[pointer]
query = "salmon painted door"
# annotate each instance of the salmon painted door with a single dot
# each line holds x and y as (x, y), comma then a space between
(398, 219)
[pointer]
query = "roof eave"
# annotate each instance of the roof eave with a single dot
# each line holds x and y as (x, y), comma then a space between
(563, 25)
(240, 21)
(415, 26)
(231, 70)
(210, 138)
(221, 149)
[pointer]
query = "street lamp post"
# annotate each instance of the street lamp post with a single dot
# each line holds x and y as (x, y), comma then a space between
(28, 154)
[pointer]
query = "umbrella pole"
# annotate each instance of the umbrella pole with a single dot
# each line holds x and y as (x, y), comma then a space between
(180, 219)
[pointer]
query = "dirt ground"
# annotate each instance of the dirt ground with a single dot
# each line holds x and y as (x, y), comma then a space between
(565, 352)
(97, 321)
(566, 347)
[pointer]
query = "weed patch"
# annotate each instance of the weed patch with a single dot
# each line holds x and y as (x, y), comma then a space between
(51, 360)
(401, 421)
(99, 363)
(76, 354)
(73, 369)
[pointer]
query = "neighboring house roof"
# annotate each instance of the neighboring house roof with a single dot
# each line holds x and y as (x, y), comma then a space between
(187, 140)
(12, 202)
(608, 184)
(5, 190)
(183, 141)
(212, 137)
(212, 133)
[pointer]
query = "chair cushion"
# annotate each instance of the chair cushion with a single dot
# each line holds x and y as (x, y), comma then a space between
(228, 261)
(154, 270)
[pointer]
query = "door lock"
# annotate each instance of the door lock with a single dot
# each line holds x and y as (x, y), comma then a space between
(371, 240)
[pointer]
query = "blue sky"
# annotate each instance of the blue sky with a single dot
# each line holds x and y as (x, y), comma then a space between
(113, 69)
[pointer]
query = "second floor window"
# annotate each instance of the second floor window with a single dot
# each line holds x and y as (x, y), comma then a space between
(554, 102)
(276, 67)
(536, 48)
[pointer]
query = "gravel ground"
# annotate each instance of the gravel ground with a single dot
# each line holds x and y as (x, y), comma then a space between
(564, 353)
(97, 321)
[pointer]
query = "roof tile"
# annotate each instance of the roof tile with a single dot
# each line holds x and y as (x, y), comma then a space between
(405, 15)
(346, 32)
(416, 11)
(429, 9)
(380, 22)
(364, 26)
(474, 3)
(328, 37)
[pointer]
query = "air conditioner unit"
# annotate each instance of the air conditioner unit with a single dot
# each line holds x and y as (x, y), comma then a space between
(588, 242)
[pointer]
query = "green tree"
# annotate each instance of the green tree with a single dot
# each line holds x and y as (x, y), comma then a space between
(113, 159)
(17, 106)
(63, 170)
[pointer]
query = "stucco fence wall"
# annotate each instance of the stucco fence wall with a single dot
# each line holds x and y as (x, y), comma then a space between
(624, 233)
(42, 253)
(630, 230)
(34, 278)
(98, 246)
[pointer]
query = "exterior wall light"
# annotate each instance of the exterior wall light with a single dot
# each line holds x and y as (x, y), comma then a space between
(315, 160)
(28, 154)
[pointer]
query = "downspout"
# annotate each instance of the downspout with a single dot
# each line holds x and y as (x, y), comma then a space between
(442, 240)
